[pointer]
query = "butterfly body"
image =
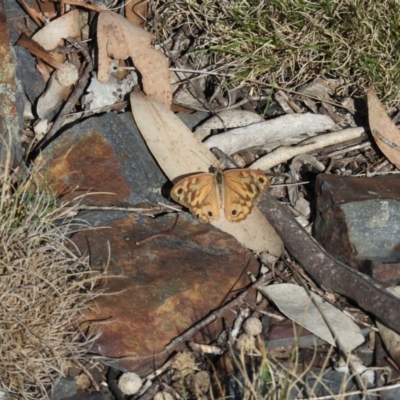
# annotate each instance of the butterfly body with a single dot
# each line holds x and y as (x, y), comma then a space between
(233, 191)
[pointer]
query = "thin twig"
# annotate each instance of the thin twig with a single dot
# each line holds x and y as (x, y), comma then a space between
(149, 211)
(326, 270)
(168, 232)
(270, 85)
(216, 314)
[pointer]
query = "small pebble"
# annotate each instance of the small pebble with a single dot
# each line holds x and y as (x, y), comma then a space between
(129, 383)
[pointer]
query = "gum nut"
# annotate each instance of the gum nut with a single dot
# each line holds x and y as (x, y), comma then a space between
(129, 383)
(252, 326)
(163, 396)
(245, 343)
(202, 381)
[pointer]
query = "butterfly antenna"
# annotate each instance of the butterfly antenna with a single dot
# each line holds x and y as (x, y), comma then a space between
(226, 160)
(210, 159)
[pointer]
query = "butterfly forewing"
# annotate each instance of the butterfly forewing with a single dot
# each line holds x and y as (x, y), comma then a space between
(198, 193)
(236, 189)
(240, 188)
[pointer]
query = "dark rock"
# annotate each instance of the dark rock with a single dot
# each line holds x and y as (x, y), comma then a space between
(389, 394)
(319, 383)
(81, 395)
(63, 389)
(28, 76)
(31, 81)
(358, 222)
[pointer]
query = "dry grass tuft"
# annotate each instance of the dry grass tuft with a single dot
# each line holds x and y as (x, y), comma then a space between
(288, 43)
(284, 378)
(44, 286)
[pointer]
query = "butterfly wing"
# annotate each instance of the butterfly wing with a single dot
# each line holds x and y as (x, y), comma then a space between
(199, 194)
(240, 188)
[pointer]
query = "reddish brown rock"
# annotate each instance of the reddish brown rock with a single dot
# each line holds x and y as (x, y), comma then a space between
(162, 287)
(86, 165)
(104, 154)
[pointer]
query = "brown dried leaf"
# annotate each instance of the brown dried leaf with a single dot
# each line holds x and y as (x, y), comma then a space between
(384, 131)
(136, 11)
(119, 39)
(51, 35)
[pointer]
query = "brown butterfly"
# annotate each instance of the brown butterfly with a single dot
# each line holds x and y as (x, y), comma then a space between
(234, 191)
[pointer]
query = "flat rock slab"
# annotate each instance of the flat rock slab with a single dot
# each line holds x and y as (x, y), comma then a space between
(358, 221)
(160, 288)
(170, 281)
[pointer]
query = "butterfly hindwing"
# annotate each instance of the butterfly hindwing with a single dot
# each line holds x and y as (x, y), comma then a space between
(198, 193)
(240, 188)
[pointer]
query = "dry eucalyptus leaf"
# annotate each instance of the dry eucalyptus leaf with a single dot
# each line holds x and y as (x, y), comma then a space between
(179, 152)
(294, 302)
(384, 131)
(51, 35)
(136, 11)
(119, 39)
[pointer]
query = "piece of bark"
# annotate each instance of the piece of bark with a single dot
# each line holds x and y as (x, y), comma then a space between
(327, 271)
(37, 50)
